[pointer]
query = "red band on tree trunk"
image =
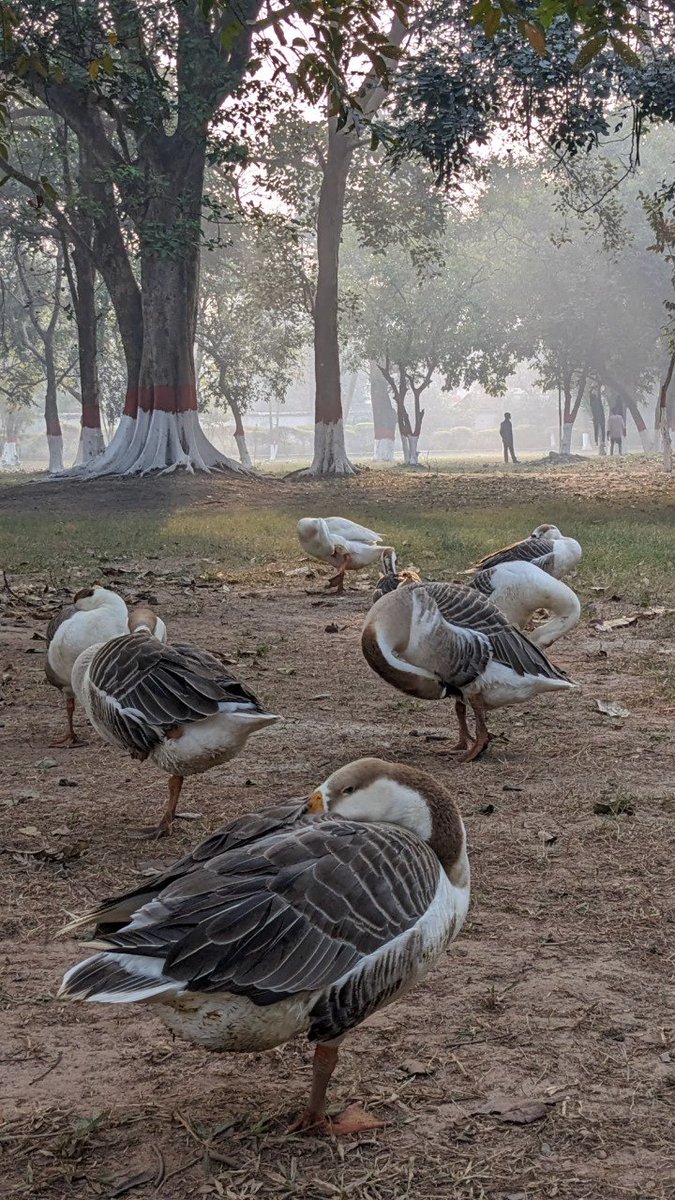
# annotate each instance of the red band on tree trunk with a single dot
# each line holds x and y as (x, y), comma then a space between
(91, 416)
(11, 439)
(131, 403)
(167, 398)
(53, 428)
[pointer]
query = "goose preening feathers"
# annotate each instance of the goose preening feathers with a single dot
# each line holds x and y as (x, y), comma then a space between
(434, 640)
(520, 588)
(546, 547)
(143, 618)
(177, 705)
(391, 577)
(342, 543)
(304, 918)
(95, 615)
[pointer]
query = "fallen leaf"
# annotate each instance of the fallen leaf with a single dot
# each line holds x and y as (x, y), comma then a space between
(30, 830)
(45, 763)
(614, 623)
(285, 670)
(332, 628)
(547, 839)
(67, 783)
(513, 1109)
(415, 1066)
(614, 808)
(486, 810)
(611, 708)
(511, 787)
(320, 696)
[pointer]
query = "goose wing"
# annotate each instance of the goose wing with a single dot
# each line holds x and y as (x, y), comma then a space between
(351, 531)
(115, 911)
(466, 609)
(141, 688)
(442, 639)
(533, 549)
(313, 908)
(55, 623)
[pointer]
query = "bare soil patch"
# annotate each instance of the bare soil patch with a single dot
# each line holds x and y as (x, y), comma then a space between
(559, 990)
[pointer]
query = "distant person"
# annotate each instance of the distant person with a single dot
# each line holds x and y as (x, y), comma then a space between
(616, 430)
(506, 434)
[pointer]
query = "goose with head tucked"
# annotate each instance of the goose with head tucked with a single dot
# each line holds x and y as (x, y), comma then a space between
(143, 618)
(344, 544)
(436, 640)
(95, 615)
(305, 919)
(520, 589)
(546, 547)
(175, 704)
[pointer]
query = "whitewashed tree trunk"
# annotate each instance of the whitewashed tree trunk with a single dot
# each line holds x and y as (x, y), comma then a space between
(158, 441)
(55, 447)
(405, 446)
(646, 439)
(602, 445)
(10, 455)
(242, 449)
(383, 449)
(330, 455)
(413, 458)
(566, 439)
(91, 444)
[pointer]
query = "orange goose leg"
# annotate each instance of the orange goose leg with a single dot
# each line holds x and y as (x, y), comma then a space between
(482, 736)
(338, 580)
(354, 1119)
(167, 818)
(71, 738)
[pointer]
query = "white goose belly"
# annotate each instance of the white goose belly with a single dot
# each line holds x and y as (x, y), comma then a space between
(201, 745)
(234, 1023)
(500, 686)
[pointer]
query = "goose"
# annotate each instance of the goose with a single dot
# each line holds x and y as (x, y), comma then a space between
(177, 705)
(305, 918)
(141, 617)
(391, 577)
(546, 547)
(520, 588)
(342, 543)
(434, 640)
(95, 615)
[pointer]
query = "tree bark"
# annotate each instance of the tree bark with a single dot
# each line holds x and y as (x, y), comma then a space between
(240, 435)
(664, 422)
(10, 460)
(160, 429)
(571, 409)
(330, 455)
(52, 422)
(384, 416)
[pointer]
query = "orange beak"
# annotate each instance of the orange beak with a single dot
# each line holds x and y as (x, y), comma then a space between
(316, 803)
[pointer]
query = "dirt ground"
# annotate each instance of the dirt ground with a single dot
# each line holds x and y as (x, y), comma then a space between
(559, 990)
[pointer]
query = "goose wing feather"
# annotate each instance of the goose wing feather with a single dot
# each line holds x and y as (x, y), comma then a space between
(537, 550)
(291, 913)
(55, 623)
(466, 608)
(141, 688)
(115, 911)
(351, 531)
(443, 638)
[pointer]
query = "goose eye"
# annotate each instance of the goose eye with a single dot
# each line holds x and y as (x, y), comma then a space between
(348, 791)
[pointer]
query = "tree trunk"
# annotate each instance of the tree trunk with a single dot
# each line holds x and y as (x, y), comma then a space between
(640, 425)
(664, 422)
(239, 431)
(52, 422)
(571, 409)
(91, 435)
(9, 460)
(384, 416)
(566, 439)
(330, 455)
(160, 429)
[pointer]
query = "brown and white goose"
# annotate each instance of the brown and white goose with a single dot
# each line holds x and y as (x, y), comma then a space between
(434, 640)
(304, 919)
(143, 618)
(520, 589)
(546, 547)
(177, 705)
(95, 615)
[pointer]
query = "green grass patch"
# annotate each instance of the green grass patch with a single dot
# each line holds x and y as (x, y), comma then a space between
(630, 552)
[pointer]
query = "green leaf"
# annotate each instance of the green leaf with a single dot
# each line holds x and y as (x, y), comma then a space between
(491, 22)
(589, 50)
(107, 64)
(48, 189)
(536, 37)
(94, 69)
(625, 52)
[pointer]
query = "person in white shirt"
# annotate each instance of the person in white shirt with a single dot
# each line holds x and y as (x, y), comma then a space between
(616, 431)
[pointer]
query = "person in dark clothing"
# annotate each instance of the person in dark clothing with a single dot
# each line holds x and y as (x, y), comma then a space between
(506, 434)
